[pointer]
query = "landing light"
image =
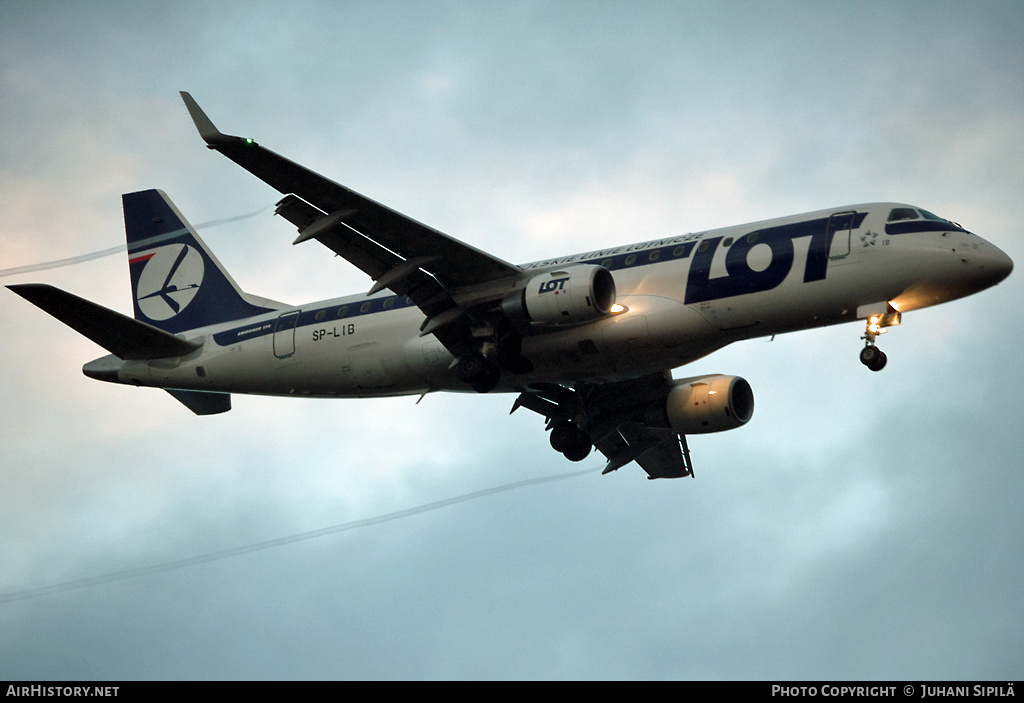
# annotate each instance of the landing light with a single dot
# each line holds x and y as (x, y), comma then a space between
(878, 323)
(617, 308)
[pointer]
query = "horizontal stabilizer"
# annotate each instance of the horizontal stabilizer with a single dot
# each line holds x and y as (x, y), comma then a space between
(202, 402)
(119, 334)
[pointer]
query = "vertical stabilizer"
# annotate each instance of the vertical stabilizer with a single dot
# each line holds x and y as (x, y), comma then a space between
(177, 283)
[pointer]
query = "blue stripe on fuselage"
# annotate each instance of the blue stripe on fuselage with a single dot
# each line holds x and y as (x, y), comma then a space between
(315, 316)
(741, 278)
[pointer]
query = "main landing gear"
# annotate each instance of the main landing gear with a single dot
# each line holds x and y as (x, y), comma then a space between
(478, 371)
(498, 350)
(871, 356)
(571, 441)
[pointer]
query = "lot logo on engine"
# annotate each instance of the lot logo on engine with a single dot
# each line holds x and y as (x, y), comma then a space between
(555, 284)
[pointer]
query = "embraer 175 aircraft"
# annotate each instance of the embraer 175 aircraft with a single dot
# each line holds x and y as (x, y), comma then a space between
(586, 340)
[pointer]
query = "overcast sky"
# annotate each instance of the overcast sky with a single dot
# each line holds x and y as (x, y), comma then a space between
(861, 526)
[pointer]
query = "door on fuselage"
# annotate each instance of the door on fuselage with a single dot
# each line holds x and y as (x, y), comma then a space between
(840, 229)
(284, 334)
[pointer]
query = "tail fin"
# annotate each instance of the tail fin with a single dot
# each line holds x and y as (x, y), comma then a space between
(177, 283)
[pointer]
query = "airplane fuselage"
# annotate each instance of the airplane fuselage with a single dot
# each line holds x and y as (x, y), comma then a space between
(683, 297)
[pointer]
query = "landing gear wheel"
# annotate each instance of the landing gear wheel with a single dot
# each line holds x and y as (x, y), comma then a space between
(563, 435)
(486, 381)
(869, 354)
(579, 450)
(570, 440)
(471, 365)
(473, 368)
(873, 357)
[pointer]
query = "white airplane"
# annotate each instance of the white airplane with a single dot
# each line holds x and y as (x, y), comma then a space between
(586, 340)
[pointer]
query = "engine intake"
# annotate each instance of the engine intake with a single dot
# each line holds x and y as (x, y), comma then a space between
(571, 296)
(709, 404)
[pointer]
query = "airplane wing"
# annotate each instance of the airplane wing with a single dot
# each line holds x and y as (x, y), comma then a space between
(396, 251)
(617, 417)
(661, 453)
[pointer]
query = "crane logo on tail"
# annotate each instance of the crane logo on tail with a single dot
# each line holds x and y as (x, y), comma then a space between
(169, 281)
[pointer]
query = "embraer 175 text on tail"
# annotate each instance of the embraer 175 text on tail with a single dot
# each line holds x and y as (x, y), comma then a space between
(586, 340)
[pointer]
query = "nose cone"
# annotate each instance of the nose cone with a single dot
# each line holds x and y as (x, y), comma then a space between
(993, 265)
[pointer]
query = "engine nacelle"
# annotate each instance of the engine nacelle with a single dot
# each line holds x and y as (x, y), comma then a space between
(569, 296)
(709, 404)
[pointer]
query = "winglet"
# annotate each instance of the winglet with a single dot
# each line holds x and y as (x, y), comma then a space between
(210, 134)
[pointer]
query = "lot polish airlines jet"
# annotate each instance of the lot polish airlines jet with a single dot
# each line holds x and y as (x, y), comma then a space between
(586, 340)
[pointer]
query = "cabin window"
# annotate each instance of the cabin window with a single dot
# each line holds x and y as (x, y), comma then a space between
(630, 260)
(655, 255)
(320, 315)
(342, 311)
(365, 307)
(679, 251)
(389, 303)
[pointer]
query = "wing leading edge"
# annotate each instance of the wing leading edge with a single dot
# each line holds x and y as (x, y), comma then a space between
(396, 251)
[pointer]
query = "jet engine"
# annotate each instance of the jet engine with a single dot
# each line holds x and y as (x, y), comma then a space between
(709, 404)
(570, 296)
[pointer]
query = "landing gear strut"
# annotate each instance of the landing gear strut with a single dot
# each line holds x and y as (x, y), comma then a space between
(871, 356)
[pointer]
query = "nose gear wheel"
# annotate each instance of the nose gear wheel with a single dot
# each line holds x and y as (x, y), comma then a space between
(873, 357)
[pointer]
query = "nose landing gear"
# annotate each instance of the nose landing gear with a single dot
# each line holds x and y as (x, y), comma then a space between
(871, 356)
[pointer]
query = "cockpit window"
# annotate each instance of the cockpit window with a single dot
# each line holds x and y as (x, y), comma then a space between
(903, 213)
(904, 220)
